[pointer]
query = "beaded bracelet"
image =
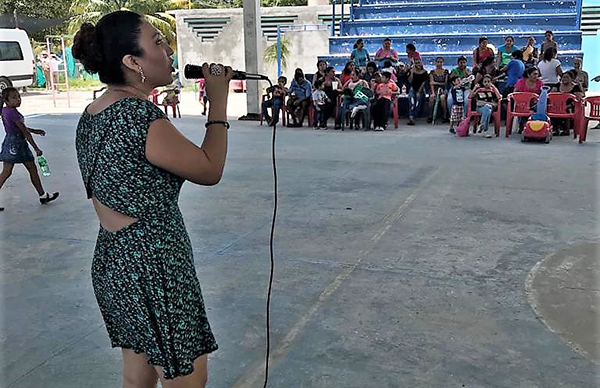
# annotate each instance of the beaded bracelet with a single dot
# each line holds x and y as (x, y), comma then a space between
(221, 122)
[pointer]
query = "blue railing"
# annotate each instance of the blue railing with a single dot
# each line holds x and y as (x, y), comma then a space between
(579, 6)
(342, 14)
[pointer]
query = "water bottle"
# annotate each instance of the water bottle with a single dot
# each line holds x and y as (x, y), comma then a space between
(43, 165)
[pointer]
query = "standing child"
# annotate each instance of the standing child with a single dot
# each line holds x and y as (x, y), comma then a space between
(458, 99)
(278, 93)
(385, 90)
(14, 147)
(320, 99)
(202, 94)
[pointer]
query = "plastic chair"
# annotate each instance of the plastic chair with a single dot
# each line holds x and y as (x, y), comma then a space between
(310, 113)
(522, 102)
(283, 110)
(473, 114)
(557, 108)
(173, 104)
(594, 103)
(154, 96)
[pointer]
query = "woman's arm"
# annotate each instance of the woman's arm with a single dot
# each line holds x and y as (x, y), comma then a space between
(559, 71)
(168, 149)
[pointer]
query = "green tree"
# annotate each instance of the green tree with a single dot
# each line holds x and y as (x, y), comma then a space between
(153, 10)
(270, 53)
(46, 9)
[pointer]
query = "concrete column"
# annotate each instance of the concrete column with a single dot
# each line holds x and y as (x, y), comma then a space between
(253, 51)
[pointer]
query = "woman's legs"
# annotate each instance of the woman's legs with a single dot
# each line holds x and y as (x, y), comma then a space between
(6, 172)
(35, 177)
(137, 373)
(197, 379)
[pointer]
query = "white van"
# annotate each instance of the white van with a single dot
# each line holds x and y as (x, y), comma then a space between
(16, 59)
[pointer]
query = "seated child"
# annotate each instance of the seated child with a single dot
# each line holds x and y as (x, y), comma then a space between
(278, 93)
(487, 102)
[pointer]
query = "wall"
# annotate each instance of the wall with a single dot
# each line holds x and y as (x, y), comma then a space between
(589, 46)
(227, 46)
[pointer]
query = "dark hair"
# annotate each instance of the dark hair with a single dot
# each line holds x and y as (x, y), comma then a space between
(411, 47)
(357, 72)
(282, 79)
(372, 65)
(509, 37)
(549, 54)
(5, 94)
(549, 32)
(101, 48)
(298, 74)
(318, 83)
(329, 68)
(440, 57)
(386, 74)
(528, 71)
(387, 63)
(461, 58)
(517, 54)
(347, 69)
(486, 76)
(321, 61)
(453, 77)
(358, 41)
(571, 73)
(483, 39)
(387, 40)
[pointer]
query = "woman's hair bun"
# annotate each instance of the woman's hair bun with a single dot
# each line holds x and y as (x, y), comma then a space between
(86, 48)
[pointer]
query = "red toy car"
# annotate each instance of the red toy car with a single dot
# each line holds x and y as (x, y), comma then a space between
(538, 127)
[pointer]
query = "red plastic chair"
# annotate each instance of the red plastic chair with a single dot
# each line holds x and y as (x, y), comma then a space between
(476, 116)
(154, 96)
(522, 102)
(594, 103)
(283, 111)
(557, 109)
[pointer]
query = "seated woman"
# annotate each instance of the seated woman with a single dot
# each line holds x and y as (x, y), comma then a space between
(488, 67)
(505, 52)
(320, 74)
(347, 71)
(486, 98)
(531, 83)
(356, 97)
(332, 86)
(417, 78)
(531, 55)
(300, 92)
(482, 52)
(371, 70)
(386, 52)
(438, 82)
(359, 55)
(567, 84)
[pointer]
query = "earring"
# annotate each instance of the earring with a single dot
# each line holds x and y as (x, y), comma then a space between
(142, 76)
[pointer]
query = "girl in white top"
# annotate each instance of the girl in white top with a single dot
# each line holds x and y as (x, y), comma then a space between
(550, 70)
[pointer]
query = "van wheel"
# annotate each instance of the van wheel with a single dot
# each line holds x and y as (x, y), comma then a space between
(5, 83)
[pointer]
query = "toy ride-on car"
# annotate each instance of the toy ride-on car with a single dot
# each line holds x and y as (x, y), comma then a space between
(538, 127)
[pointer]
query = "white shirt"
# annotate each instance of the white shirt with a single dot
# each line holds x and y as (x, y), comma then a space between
(54, 62)
(548, 71)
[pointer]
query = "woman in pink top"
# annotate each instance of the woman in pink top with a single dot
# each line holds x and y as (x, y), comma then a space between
(386, 52)
(530, 82)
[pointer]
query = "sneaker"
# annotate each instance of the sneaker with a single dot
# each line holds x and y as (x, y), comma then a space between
(379, 129)
(451, 130)
(355, 111)
(47, 198)
(481, 129)
(410, 122)
(429, 120)
(488, 135)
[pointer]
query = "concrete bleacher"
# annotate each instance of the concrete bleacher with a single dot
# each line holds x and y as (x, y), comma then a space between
(452, 28)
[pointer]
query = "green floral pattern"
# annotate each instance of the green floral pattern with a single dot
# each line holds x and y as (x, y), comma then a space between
(143, 275)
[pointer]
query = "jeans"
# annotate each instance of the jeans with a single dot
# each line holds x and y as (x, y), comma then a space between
(319, 120)
(450, 100)
(276, 103)
(486, 114)
(415, 102)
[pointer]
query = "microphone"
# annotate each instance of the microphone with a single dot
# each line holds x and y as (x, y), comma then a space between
(195, 72)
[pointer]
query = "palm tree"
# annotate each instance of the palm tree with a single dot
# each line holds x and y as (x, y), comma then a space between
(270, 53)
(154, 12)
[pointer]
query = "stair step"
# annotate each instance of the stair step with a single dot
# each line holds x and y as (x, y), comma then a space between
(508, 24)
(451, 42)
(463, 8)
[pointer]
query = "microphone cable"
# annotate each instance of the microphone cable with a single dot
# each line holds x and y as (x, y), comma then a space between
(268, 309)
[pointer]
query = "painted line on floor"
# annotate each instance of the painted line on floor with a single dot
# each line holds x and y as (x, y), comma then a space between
(256, 372)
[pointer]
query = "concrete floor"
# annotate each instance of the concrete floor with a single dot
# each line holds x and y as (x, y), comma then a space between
(401, 260)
